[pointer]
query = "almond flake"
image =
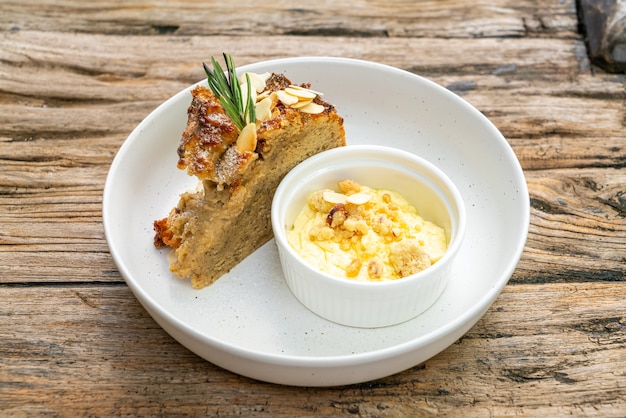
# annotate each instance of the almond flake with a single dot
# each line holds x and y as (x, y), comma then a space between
(246, 142)
(301, 93)
(334, 197)
(262, 95)
(301, 104)
(286, 98)
(293, 86)
(274, 99)
(257, 81)
(263, 109)
(312, 108)
(359, 198)
(244, 93)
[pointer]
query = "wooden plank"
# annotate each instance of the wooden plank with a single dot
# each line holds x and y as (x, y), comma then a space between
(555, 123)
(570, 209)
(94, 350)
(447, 18)
(112, 58)
(553, 112)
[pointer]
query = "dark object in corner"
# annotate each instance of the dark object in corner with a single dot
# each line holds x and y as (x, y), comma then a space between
(604, 24)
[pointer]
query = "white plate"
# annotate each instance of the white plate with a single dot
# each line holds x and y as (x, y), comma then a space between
(248, 321)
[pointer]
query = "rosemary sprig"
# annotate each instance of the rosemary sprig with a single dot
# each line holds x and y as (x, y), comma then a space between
(228, 91)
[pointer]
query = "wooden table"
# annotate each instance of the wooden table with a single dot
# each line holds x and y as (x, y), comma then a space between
(76, 78)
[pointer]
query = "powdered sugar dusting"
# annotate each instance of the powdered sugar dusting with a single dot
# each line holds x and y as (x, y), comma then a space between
(228, 166)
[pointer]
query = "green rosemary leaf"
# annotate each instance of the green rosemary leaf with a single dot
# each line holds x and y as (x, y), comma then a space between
(250, 111)
(226, 87)
(220, 79)
(235, 87)
(219, 86)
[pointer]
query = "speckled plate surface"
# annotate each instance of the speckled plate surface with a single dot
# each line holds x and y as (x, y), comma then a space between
(248, 322)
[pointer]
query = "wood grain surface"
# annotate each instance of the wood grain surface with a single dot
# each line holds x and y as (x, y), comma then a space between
(75, 79)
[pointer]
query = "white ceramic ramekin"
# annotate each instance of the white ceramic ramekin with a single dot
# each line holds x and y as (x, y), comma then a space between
(369, 304)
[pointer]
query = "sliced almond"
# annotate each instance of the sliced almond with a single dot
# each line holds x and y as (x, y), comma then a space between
(263, 109)
(301, 103)
(301, 93)
(274, 99)
(359, 198)
(286, 98)
(256, 80)
(334, 197)
(246, 142)
(262, 95)
(312, 108)
(293, 86)
(244, 93)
